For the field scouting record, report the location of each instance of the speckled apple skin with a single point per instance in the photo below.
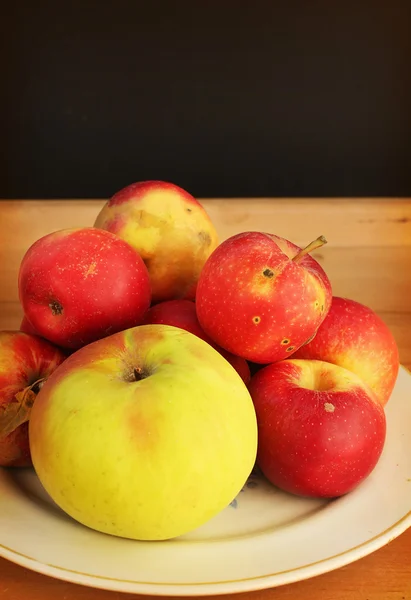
(255, 302)
(355, 337)
(321, 430)
(79, 285)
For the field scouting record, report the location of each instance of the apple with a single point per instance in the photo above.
(168, 228)
(261, 297)
(27, 327)
(182, 313)
(355, 337)
(25, 360)
(321, 430)
(254, 368)
(79, 285)
(145, 434)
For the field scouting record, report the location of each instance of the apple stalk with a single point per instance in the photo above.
(320, 241)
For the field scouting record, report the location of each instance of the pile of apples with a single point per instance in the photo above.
(156, 367)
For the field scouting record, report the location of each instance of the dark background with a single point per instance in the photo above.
(304, 98)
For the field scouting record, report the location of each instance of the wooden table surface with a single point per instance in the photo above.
(368, 258)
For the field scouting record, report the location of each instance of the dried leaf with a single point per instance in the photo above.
(15, 413)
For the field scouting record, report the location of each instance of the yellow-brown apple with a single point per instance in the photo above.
(169, 229)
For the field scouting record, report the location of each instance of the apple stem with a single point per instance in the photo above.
(139, 373)
(320, 241)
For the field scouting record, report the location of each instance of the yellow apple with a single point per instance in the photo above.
(169, 229)
(145, 434)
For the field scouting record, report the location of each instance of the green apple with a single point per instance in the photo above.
(145, 434)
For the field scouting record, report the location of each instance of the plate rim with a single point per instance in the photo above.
(258, 582)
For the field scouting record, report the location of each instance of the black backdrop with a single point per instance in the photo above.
(297, 98)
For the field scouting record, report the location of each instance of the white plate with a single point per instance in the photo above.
(266, 538)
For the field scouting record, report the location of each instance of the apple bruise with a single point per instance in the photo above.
(205, 238)
(173, 264)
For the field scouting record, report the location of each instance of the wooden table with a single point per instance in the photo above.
(368, 258)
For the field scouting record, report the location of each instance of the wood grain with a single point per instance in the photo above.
(352, 272)
(368, 258)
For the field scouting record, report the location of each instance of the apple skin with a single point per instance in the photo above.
(355, 337)
(79, 285)
(182, 313)
(168, 228)
(23, 360)
(27, 327)
(146, 459)
(255, 302)
(321, 430)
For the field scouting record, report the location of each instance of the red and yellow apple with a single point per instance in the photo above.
(25, 361)
(261, 297)
(145, 434)
(169, 229)
(321, 430)
(79, 285)
(355, 337)
(182, 313)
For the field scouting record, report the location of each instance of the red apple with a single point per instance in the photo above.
(168, 228)
(321, 430)
(27, 327)
(25, 361)
(355, 337)
(261, 297)
(182, 314)
(79, 285)
(254, 367)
